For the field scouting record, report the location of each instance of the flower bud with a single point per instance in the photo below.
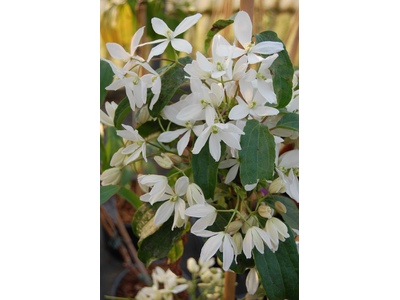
(181, 280)
(175, 158)
(204, 285)
(265, 211)
(238, 240)
(251, 221)
(280, 207)
(217, 289)
(144, 114)
(118, 158)
(192, 266)
(207, 276)
(213, 296)
(277, 186)
(163, 161)
(111, 176)
(234, 227)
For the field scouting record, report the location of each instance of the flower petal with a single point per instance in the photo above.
(248, 244)
(201, 141)
(186, 24)
(159, 26)
(229, 139)
(181, 185)
(210, 247)
(268, 47)
(227, 254)
(232, 174)
(215, 146)
(181, 45)
(239, 112)
(117, 52)
(169, 136)
(204, 63)
(164, 212)
(136, 39)
(243, 28)
(157, 50)
(190, 112)
(252, 281)
(199, 210)
(183, 142)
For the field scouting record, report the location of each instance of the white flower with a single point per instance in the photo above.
(138, 146)
(238, 239)
(232, 163)
(291, 184)
(228, 133)
(108, 119)
(118, 52)
(250, 187)
(276, 230)
(194, 195)
(205, 212)
(252, 281)
(111, 176)
(243, 28)
(164, 161)
(218, 240)
(118, 158)
(152, 81)
(192, 266)
(264, 79)
(161, 28)
(175, 203)
(255, 237)
(253, 104)
(158, 183)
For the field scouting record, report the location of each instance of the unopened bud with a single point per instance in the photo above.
(111, 176)
(217, 289)
(234, 227)
(265, 211)
(204, 285)
(213, 296)
(181, 280)
(163, 161)
(207, 276)
(251, 221)
(238, 240)
(280, 207)
(175, 158)
(277, 186)
(260, 194)
(144, 114)
(118, 158)
(192, 266)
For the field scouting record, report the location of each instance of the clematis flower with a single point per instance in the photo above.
(108, 119)
(111, 176)
(232, 163)
(243, 28)
(137, 146)
(152, 81)
(161, 28)
(291, 184)
(158, 185)
(252, 105)
(118, 52)
(228, 133)
(252, 281)
(218, 240)
(194, 195)
(255, 237)
(205, 212)
(175, 203)
(264, 79)
(276, 230)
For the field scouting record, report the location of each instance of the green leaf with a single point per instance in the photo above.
(152, 127)
(106, 77)
(123, 109)
(205, 170)
(103, 153)
(281, 68)
(289, 121)
(176, 252)
(292, 212)
(170, 82)
(217, 27)
(107, 191)
(219, 225)
(279, 271)
(142, 217)
(158, 244)
(257, 156)
(114, 142)
(130, 196)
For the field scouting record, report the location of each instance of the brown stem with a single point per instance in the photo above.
(248, 6)
(229, 285)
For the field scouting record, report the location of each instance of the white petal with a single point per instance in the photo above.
(183, 142)
(179, 288)
(210, 247)
(246, 88)
(163, 213)
(227, 254)
(248, 244)
(264, 111)
(169, 136)
(198, 129)
(204, 63)
(257, 240)
(157, 50)
(130, 149)
(281, 227)
(181, 45)
(203, 223)
(190, 112)
(159, 26)
(229, 139)
(136, 39)
(227, 163)
(201, 141)
(289, 159)
(215, 146)
(206, 233)
(239, 112)
(181, 185)
(264, 236)
(210, 115)
(232, 174)
(117, 51)
(267, 62)
(266, 91)
(200, 210)
(268, 47)
(253, 59)
(252, 281)
(134, 156)
(117, 84)
(272, 231)
(243, 28)
(186, 24)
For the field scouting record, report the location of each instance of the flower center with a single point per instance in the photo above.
(154, 78)
(214, 129)
(249, 47)
(219, 66)
(140, 143)
(252, 104)
(174, 198)
(135, 80)
(203, 102)
(189, 125)
(261, 76)
(296, 171)
(282, 169)
(169, 34)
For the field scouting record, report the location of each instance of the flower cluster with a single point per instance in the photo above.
(228, 90)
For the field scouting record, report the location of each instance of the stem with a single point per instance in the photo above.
(167, 59)
(159, 122)
(179, 172)
(263, 120)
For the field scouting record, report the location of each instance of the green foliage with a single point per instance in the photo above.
(279, 271)
(107, 191)
(130, 196)
(281, 68)
(106, 77)
(170, 82)
(114, 142)
(217, 27)
(289, 121)
(258, 153)
(121, 112)
(292, 212)
(205, 170)
(176, 252)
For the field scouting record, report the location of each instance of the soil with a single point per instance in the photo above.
(130, 285)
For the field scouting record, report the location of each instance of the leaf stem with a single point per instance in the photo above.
(167, 59)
